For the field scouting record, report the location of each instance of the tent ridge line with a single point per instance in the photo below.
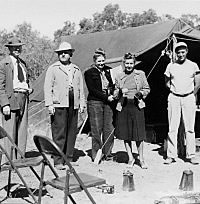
(119, 59)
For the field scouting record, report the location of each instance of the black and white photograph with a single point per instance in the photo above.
(99, 101)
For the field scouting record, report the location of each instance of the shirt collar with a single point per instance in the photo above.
(100, 70)
(14, 60)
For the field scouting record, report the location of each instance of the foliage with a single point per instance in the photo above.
(38, 51)
(113, 18)
(68, 29)
(86, 26)
(192, 19)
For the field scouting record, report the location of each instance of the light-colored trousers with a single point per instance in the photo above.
(187, 107)
(18, 132)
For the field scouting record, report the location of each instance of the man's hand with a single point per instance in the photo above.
(138, 95)
(51, 110)
(6, 110)
(81, 110)
(110, 98)
(124, 90)
(30, 91)
(116, 94)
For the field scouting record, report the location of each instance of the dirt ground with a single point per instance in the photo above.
(151, 184)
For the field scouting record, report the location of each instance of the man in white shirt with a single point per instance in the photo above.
(180, 79)
(14, 91)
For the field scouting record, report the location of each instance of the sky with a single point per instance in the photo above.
(47, 16)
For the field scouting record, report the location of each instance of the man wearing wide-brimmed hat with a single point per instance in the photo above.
(64, 96)
(14, 90)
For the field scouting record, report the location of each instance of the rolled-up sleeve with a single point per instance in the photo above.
(167, 71)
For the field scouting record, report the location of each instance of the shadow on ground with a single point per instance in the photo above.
(20, 191)
(77, 154)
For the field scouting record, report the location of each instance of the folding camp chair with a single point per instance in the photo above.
(14, 165)
(70, 183)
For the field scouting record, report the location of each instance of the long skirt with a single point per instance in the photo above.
(130, 122)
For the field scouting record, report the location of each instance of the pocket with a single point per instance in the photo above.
(56, 99)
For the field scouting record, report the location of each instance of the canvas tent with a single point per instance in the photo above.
(147, 43)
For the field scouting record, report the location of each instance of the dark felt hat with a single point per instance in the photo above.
(14, 42)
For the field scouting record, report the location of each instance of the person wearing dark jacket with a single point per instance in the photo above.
(14, 91)
(100, 104)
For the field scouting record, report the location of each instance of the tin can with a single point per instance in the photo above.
(186, 183)
(108, 189)
(128, 182)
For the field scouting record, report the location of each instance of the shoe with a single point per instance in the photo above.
(169, 160)
(109, 157)
(193, 160)
(143, 165)
(130, 163)
(74, 163)
(60, 167)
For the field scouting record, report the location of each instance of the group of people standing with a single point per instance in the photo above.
(64, 96)
(115, 107)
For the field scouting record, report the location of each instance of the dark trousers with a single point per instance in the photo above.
(15, 125)
(101, 122)
(64, 130)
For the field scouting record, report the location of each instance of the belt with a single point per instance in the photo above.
(182, 95)
(23, 92)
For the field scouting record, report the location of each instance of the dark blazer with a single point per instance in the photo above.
(94, 85)
(7, 96)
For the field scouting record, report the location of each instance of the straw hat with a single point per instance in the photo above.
(65, 46)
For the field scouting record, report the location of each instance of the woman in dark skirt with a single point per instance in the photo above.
(131, 87)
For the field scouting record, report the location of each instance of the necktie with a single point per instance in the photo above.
(20, 72)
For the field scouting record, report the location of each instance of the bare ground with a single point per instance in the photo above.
(157, 181)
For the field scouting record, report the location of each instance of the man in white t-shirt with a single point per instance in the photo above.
(180, 79)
